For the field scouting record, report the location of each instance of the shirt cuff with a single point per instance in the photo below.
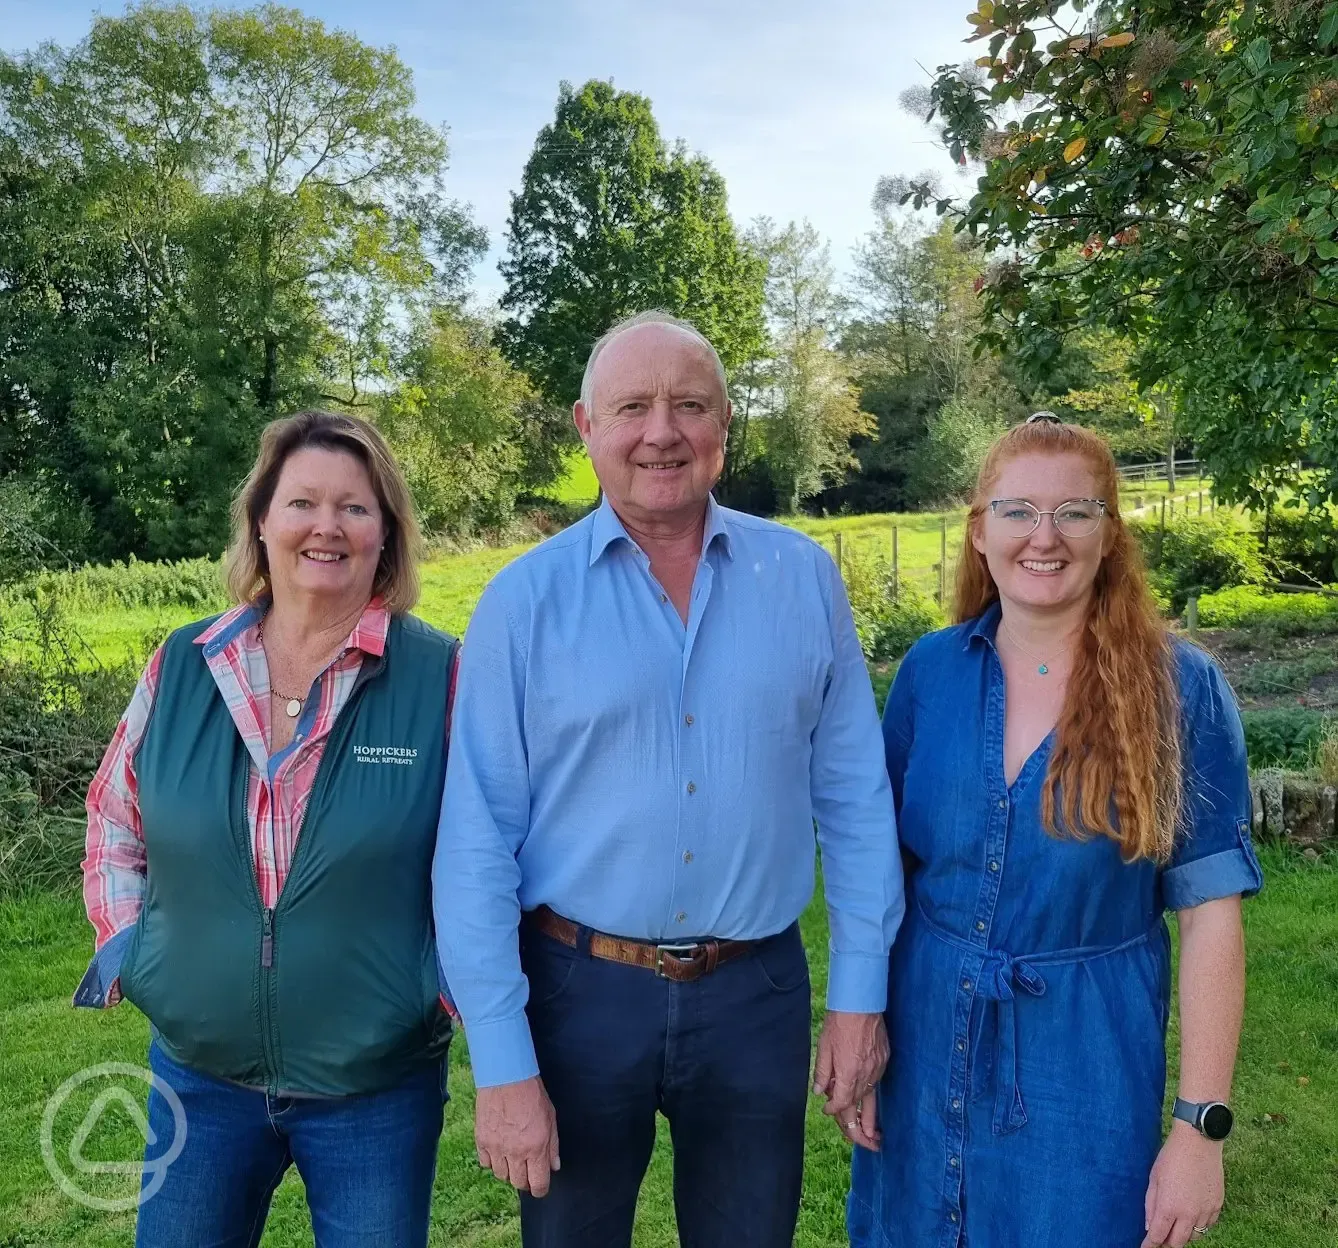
(1208, 879)
(501, 1052)
(857, 983)
(100, 987)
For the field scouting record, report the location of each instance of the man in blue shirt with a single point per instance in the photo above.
(654, 707)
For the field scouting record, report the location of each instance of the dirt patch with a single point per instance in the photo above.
(1268, 671)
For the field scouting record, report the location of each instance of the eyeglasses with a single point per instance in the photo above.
(1079, 517)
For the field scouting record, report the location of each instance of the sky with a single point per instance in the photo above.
(793, 101)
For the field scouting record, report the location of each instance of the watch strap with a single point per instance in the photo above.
(1187, 1111)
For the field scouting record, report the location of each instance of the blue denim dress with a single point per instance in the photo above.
(1029, 986)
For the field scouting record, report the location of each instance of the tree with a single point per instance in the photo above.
(608, 222)
(206, 219)
(943, 467)
(809, 408)
(1173, 180)
(458, 423)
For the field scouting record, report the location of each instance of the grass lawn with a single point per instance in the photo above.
(1282, 1163)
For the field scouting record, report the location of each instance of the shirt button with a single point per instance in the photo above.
(956, 1102)
(687, 719)
(687, 855)
(980, 925)
(664, 597)
(952, 1217)
(1003, 803)
(952, 1161)
(994, 866)
(966, 985)
(961, 1046)
(680, 917)
(692, 788)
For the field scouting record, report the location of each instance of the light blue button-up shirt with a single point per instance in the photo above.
(657, 780)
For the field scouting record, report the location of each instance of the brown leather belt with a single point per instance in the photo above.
(682, 963)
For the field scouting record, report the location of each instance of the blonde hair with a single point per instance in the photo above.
(246, 566)
(1117, 742)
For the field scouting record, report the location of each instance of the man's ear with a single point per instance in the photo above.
(581, 419)
(729, 414)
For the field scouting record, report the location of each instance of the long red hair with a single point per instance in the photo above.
(1115, 767)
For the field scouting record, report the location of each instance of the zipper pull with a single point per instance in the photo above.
(267, 940)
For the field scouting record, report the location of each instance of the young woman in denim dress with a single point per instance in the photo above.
(1065, 772)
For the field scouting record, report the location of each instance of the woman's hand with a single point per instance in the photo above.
(1186, 1189)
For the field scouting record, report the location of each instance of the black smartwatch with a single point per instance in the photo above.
(1211, 1119)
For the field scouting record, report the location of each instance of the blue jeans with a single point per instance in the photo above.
(367, 1161)
(725, 1059)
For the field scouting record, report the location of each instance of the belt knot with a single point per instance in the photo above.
(1001, 974)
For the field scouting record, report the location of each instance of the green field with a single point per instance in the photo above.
(1282, 1187)
(452, 583)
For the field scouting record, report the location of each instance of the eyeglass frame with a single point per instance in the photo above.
(1100, 502)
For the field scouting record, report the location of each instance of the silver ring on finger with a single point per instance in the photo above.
(1200, 1230)
(850, 1126)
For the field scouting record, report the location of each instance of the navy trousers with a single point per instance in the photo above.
(725, 1059)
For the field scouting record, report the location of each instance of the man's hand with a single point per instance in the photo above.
(1186, 1188)
(852, 1055)
(515, 1133)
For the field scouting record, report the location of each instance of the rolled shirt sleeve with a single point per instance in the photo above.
(484, 822)
(852, 802)
(1214, 856)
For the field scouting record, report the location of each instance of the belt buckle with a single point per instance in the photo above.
(674, 951)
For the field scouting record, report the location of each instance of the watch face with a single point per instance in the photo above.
(1217, 1120)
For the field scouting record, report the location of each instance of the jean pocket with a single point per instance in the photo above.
(548, 965)
(782, 963)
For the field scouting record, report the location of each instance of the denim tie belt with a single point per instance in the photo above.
(1001, 976)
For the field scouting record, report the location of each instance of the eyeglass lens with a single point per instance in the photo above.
(1019, 518)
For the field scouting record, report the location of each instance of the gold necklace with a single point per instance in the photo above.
(292, 705)
(1043, 668)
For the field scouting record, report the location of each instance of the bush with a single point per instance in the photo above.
(1200, 553)
(1283, 737)
(1245, 606)
(196, 583)
(1302, 544)
(943, 467)
(889, 617)
(55, 723)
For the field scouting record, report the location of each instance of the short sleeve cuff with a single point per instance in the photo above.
(1208, 879)
(857, 983)
(100, 986)
(501, 1051)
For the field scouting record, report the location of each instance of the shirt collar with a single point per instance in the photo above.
(368, 635)
(607, 529)
(986, 625)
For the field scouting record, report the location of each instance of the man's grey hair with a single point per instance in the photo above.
(653, 317)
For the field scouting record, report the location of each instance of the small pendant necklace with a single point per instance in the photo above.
(292, 706)
(1042, 667)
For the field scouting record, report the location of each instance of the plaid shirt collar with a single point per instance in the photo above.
(368, 635)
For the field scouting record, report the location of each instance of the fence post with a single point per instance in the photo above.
(1192, 614)
(942, 560)
(840, 554)
(1161, 531)
(1212, 502)
(896, 564)
(1200, 502)
(1173, 508)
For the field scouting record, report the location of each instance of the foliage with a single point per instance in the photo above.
(1245, 606)
(1198, 554)
(1282, 737)
(207, 218)
(889, 616)
(56, 717)
(194, 583)
(943, 467)
(466, 426)
(1167, 172)
(610, 221)
(1300, 543)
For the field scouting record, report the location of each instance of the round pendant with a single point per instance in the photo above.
(1044, 671)
(294, 708)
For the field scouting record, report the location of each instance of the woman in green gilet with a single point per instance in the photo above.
(260, 843)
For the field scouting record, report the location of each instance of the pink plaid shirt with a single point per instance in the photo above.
(115, 863)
